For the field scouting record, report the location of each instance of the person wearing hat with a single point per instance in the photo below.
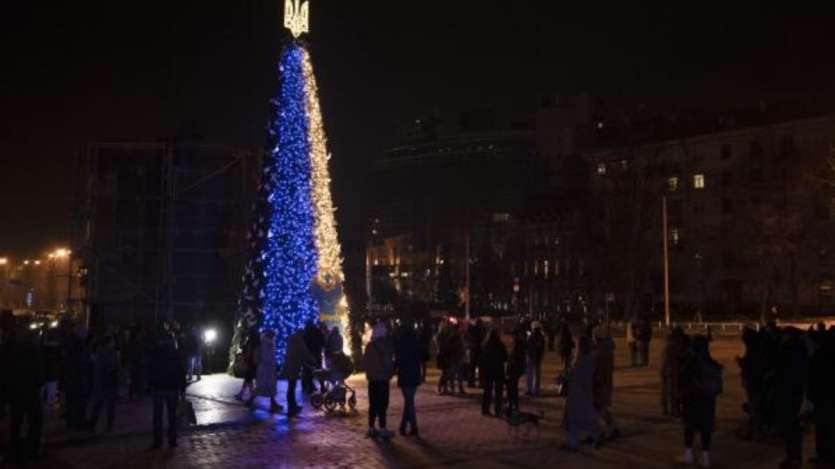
(379, 367)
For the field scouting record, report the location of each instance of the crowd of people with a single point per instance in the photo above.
(67, 372)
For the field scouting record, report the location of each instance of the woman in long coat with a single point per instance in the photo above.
(265, 379)
(580, 415)
(604, 359)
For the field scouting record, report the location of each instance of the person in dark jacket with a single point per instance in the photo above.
(250, 352)
(425, 347)
(698, 398)
(493, 358)
(315, 341)
(407, 363)
(379, 366)
(644, 338)
(105, 382)
(166, 379)
(792, 368)
(516, 368)
(536, 351)
(77, 379)
(670, 364)
(566, 344)
(822, 394)
(25, 363)
(475, 337)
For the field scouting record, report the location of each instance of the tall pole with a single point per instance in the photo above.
(666, 262)
(467, 282)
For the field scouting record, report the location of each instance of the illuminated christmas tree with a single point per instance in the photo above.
(295, 275)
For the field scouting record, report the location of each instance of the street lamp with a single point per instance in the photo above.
(4, 261)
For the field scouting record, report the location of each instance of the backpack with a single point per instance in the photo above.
(712, 383)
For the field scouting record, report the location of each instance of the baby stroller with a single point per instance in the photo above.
(335, 392)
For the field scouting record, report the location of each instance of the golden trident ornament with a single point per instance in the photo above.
(297, 17)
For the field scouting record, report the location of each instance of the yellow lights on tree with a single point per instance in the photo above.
(327, 242)
(297, 17)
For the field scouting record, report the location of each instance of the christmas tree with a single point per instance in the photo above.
(295, 272)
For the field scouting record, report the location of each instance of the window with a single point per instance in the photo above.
(556, 240)
(545, 269)
(624, 165)
(601, 169)
(672, 184)
(675, 236)
(698, 181)
(501, 217)
(556, 268)
(727, 151)
(536, 268)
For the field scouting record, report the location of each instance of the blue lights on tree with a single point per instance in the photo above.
(289, 255)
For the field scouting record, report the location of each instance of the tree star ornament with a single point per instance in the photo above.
(297, 17)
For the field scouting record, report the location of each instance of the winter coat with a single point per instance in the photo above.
(334, 344)
(408, 359)
(265, 377)
(379, 360)
(604, 370)
(166, 372)
(822, 376)
(792, 369)
(579, 405)
(698, 408)
(493, 358)
(516, 362)
(297, 356)
(315, 341)
(105, 373)
(671, 359)
(536, 346)
(456, 355)
(78, 373)
(24, 373)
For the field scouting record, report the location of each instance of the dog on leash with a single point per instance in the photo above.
(526, 421)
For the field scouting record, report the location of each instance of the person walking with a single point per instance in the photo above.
(536, 350)
(407, 363)
(194, 352)
(700, 382)
(580, 414)
(265, 380)
(333, 346)
(493, 358)
(24, 378)
(166, 379)
(674, 348)
(105, 382)
(379, 366)
(296, 359)
(443, 342)
(250, 352)
(516, 368)
(604, 371)
(792, 368)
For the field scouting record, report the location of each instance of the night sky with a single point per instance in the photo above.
(80, 71)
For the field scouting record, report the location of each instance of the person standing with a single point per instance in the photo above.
(793, 363)
(822, 395)
(105, 382)
(77, 379)
(475, 337)
(297, 358)
(566, 344)
(493, 358)
(700, 382)
(536, 350)
(408, 359)
(516, 368)
(315, 342)
(580, 415)
(379, 365)
(670, 365)
(604, 371)
(425, 346)
(25, 377)
(333, 346)
(632, 342)
(644, 338)
(265, 380)
(166, 379)
(194, 349)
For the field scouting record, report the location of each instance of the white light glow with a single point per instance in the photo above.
(209, 336)
(297, 17)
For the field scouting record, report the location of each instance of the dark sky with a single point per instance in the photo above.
(79, 71)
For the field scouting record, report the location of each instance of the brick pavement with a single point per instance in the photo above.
(454, 434)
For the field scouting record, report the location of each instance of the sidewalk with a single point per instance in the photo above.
(454, 434)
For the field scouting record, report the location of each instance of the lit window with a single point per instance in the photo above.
(556, 268)
(624, 165)
(601, 169)
(536, 268)
(545, 268)
(675, 236)
(672, 184)
(698, 181)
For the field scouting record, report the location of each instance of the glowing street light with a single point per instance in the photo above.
(4, 261)
(61, 253)
(209, 336)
